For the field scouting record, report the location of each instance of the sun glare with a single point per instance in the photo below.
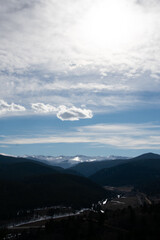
(111, 25)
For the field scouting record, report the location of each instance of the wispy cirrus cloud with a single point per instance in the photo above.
(119, 136)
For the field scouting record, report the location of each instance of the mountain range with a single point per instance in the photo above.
(141, 170)
(69, 161)
(29, 183)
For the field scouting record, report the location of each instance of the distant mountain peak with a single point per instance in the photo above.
(148, 155)
(7, 155)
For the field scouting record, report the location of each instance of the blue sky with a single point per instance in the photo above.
(79, 77)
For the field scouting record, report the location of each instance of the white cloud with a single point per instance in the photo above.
(73, 113)
(5, 107)
(43, 108)
(63, 112)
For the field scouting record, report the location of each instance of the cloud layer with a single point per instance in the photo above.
(80, 52)
(119, 136)
(67, 34)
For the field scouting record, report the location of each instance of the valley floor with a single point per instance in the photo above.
(130, 215)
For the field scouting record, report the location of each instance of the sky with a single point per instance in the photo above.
(79, 77)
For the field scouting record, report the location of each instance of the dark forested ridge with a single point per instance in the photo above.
(89, 168)
(12, 168)
(140, 170)
(48, 190)
(26, 184)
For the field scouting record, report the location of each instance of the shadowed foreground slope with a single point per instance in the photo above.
(28, 184)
